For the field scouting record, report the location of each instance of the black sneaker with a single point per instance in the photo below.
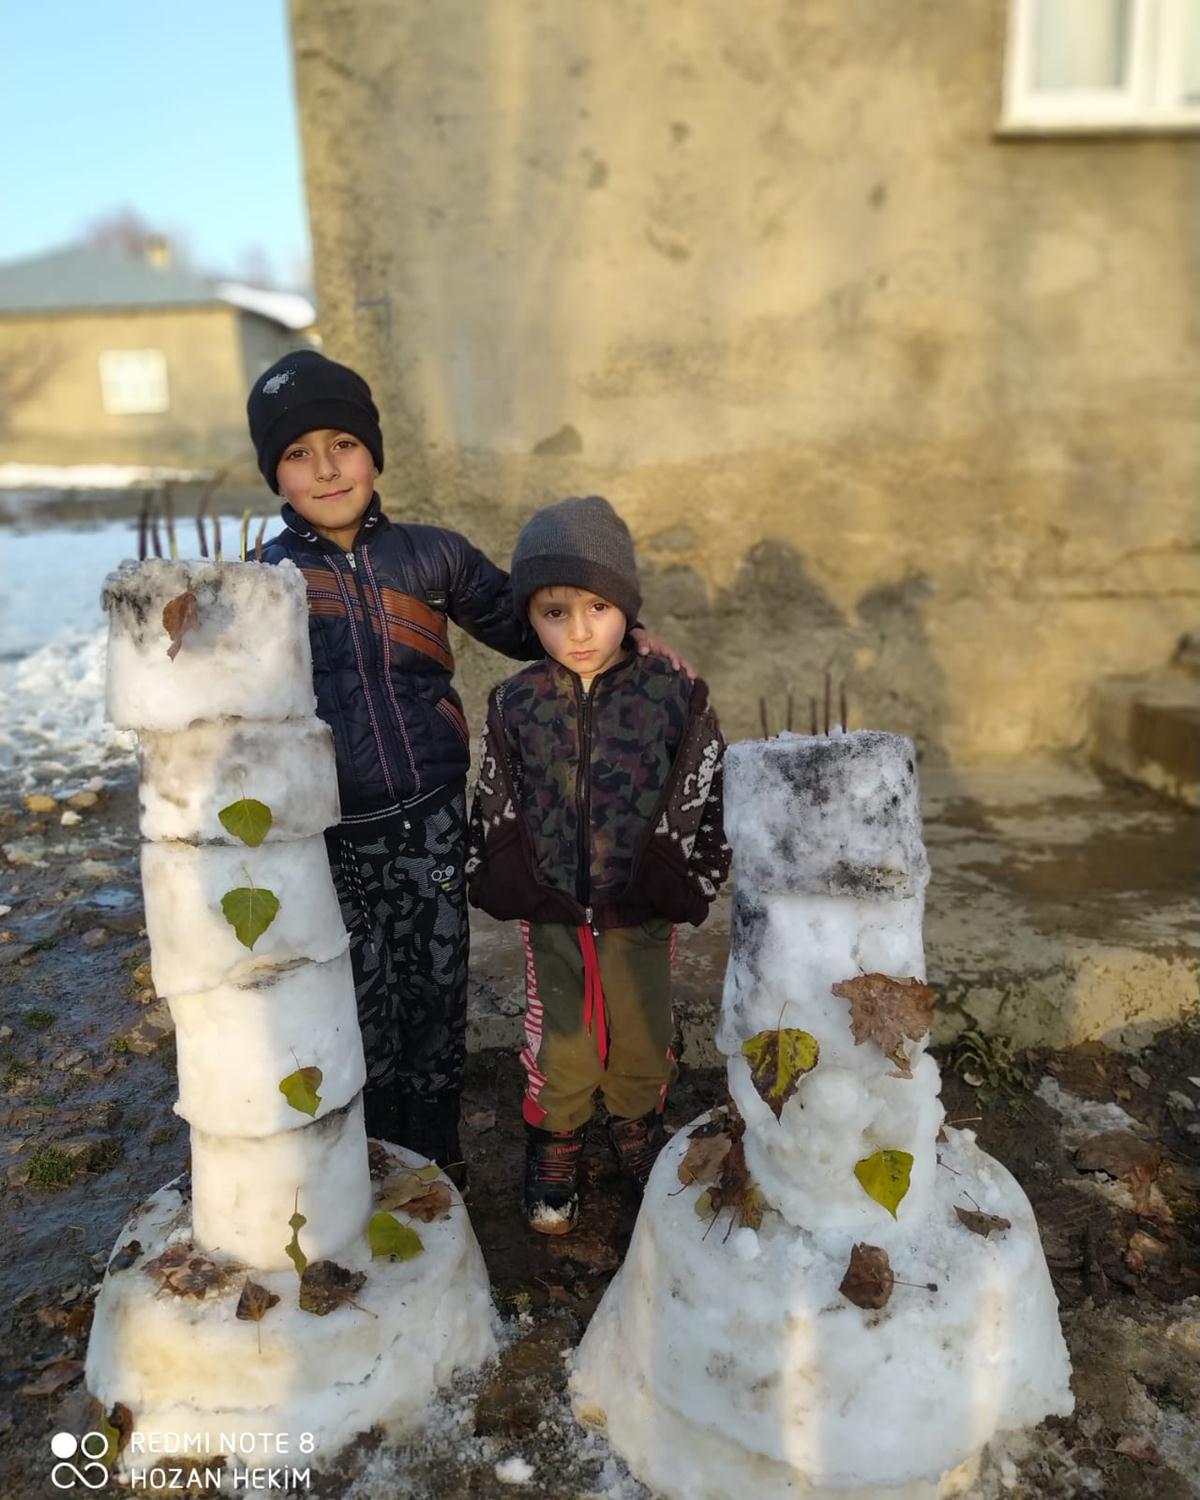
(637, 1144)
(552, 1178)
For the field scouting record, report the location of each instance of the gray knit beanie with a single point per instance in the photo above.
(580, 543)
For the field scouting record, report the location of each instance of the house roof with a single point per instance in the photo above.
(80, 278)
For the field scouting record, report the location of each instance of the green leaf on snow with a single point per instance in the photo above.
(388, 1237)
(247, 819)
(250, 910)
(300, 1089)
(885, 1176)
(294, 1253)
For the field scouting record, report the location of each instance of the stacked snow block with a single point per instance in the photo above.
(210, 663)
(744, 1350)
(229, 721)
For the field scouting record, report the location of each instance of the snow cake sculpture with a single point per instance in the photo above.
(306, 1285)
(827, 1293)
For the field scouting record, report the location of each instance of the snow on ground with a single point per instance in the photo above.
(54, 477)
(53, 640)
(52, 654)
(1084, 1117)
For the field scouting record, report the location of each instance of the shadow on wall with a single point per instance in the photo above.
(775, 631)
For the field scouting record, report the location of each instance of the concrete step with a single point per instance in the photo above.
(1062, 908)
(1148, 729)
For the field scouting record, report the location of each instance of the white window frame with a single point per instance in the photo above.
(126, 390)
(1148, 100)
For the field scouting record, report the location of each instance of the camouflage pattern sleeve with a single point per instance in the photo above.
(490, 804)
(708, 864)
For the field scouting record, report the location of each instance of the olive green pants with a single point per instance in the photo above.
(578, 1040)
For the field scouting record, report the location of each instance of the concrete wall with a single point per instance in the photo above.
(875, 389)
(55, 413)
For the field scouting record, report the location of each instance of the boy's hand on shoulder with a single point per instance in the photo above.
(648, 645)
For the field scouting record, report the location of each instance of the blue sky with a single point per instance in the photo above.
(180, 109)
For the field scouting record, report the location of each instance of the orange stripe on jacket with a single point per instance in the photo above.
(407, 618)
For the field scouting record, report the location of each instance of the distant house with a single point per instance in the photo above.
(112, 360)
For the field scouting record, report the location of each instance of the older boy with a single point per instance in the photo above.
(380, 597)
(597, 822)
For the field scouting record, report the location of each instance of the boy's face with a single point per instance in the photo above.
(580, 630)
(329, 477)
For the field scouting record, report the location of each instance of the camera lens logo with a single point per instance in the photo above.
(89, 1471)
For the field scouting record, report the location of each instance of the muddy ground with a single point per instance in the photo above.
(86, 1088)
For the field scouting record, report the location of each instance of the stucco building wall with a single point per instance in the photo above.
(876, 390)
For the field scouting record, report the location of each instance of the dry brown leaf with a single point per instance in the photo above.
(716, 1124)
(196, 1278)
(1147, 1200)
(325, 1286)
(734, 1187)
(125, 1256)
(79, 1319)
(185, 1273)
(1116, 1152)
(380, 1161)
(868, 1281)
(433, 1203)
(1143, 1250)
(120, 1422)
(1139, 1448)
(402, 1188)
(52, 1378)
(750, 1209)
(180, 615)
(886, 1011)
(254, 1302)
(703, 1158)
(980, 1223)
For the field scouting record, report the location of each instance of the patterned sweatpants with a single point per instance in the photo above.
(403, 899)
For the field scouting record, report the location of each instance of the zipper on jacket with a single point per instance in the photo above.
(583, 799)
(397, 717)
(370, 649)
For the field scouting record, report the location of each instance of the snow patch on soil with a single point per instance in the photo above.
(1084, 1117)
(52, 713)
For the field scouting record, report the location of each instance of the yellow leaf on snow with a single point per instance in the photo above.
(300, 1089)
(885, 1176)
(778, 1061)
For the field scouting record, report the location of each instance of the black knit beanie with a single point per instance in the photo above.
(305, 392)
(580, 543)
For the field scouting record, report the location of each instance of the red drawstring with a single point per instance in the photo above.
(593, 991)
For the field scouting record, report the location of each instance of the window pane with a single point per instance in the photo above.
(134, 381)
(1081, 44)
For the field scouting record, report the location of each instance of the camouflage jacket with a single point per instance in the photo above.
(605, 806)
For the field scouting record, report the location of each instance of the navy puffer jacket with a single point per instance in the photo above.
(381, 652)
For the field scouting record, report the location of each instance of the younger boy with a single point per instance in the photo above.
(597, 821)
(380, 598)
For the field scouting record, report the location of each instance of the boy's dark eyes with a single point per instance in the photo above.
(295, 453)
